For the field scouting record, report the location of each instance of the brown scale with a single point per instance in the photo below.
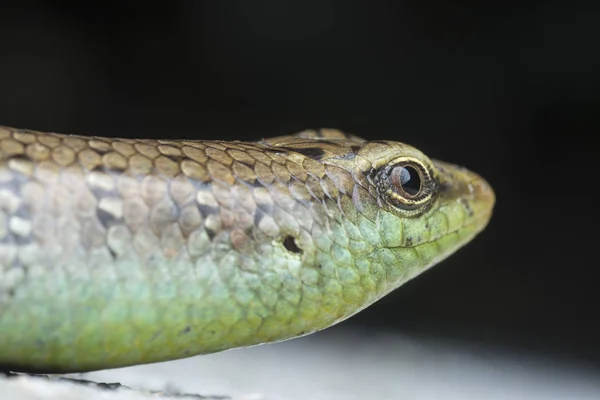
(160, 184)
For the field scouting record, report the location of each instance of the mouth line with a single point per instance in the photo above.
(473, 221)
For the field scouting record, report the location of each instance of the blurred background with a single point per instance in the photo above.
(509, 89)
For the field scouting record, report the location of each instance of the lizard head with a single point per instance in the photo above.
(407, 211)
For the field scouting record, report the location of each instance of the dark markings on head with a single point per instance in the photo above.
(442, 187)
(315, 153)
(465, 203)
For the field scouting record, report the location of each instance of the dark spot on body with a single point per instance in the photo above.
(290, 244)
(112, 253)
(246, 163)
(185, 330)
(102, 151)
(255, 183)
(265, 209)
(207, 210)
(175, 158)
(355, 149)
(106, 219)
(258, 216)
(409, 241)
(210, 233)
(21, 157)
(22, 240)
(100, 193)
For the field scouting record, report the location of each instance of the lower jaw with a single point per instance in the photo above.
(435, 251)
(475, 226)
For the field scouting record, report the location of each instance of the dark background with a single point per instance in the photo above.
(509, 89)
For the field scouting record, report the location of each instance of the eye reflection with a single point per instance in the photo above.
(407, 180)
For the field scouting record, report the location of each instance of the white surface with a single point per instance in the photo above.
(335, 365)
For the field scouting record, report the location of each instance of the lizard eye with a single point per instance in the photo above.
(407, 183)
(406, 179)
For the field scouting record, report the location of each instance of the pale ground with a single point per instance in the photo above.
(337, 364)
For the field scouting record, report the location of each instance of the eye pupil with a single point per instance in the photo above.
(407, 178)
